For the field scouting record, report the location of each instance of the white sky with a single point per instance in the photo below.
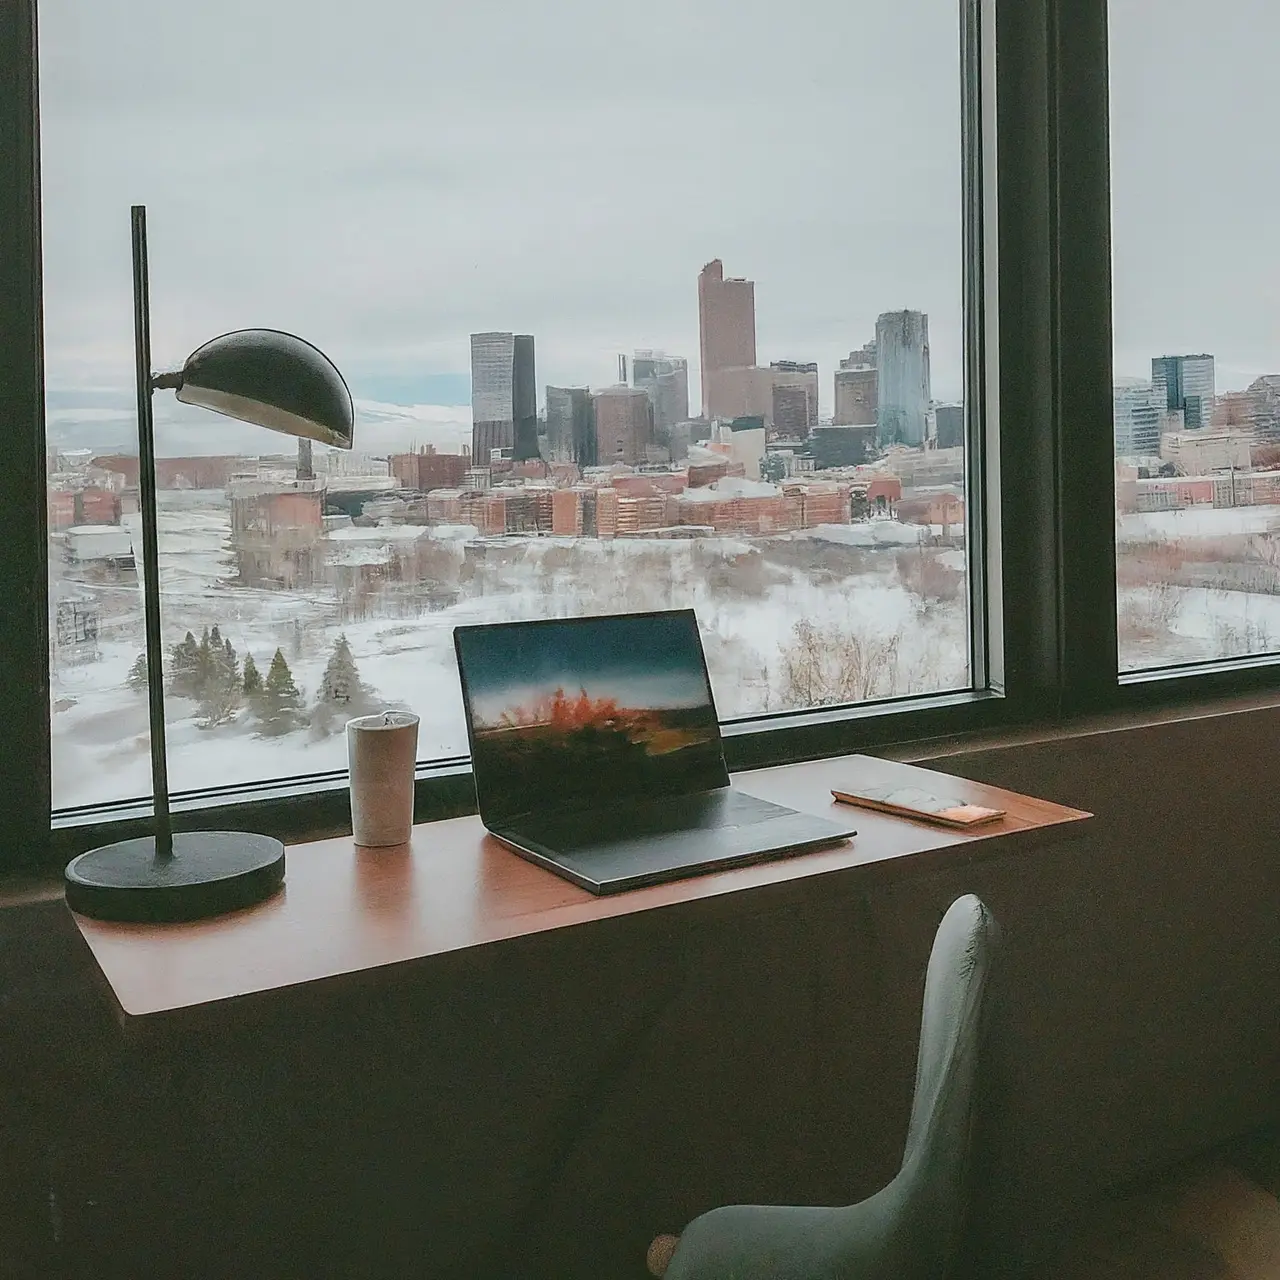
(386, 178)
(1195, 101)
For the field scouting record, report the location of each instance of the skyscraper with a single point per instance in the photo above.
(504, 396)
(1136, 415)
(666, 381)
(795, 398)
(726, 333)
(855, 388)
(624, 425)
(571, 426)
(902, 380)
(1186, 383)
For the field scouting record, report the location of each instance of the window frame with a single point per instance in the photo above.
(1040, 493)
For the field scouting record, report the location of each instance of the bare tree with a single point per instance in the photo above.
(834, 664)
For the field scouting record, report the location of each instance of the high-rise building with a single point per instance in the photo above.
(666, 381)
(902, 381)
(795, 398)
(571, 426)
(1186, 383)
(790, 413)
(746, 391)
(726, 333)
(504, 396)
(855, 388)
(1137, 416)
(1265, 416)
(624, 425)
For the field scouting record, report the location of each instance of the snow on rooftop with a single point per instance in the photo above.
(732, 487)
(380, 533)
(869, 533)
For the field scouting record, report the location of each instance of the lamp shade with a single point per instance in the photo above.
(273, 379)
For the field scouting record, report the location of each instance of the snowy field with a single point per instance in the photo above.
(1164, 623)
(874, 606)
(833, 614)
(1195, 522)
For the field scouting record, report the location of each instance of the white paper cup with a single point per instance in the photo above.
(382, 751)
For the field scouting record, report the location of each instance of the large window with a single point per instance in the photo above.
(1194, 100)
(641, 306)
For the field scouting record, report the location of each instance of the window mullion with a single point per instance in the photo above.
(24, 668)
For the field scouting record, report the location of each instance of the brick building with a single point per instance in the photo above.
(624, 425)
(213, 472)
(427, 469)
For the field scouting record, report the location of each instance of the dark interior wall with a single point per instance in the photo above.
(546, 1107)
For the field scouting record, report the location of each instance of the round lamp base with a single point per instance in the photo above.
(210, 872)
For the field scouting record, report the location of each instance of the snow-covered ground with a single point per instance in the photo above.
(1195, 522)
(747, 603)
(1164, 623)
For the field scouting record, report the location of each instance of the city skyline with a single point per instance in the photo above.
(388, 261)
(396, 210)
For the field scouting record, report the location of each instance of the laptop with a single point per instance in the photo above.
(596, 753)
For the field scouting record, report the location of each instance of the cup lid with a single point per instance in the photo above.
(384, 720)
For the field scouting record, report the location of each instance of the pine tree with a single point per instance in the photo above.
(251, 683)
(279, 709)
(204, 667)
(342, 695)
(184, 667)
(341, 681)
(220, 691)
(137, 677)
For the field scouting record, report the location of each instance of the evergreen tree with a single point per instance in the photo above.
(203, 669)
(220, 691)
(341, 681)
(251, 683)
(279, 709)
(137, 677)
(184, 667)
(342, 695)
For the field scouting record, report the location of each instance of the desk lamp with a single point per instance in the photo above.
(280, 382)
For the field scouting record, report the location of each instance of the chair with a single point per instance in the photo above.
(911, 1229)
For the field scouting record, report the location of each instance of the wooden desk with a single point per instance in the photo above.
(346, 911)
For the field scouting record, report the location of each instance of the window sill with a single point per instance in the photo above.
(922, 730)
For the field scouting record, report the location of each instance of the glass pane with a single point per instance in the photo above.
(640, 308)
(1197, 333)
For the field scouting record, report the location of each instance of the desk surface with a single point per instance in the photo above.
(345, 910)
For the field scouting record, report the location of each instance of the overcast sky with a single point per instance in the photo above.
(1195, 110)
(385, 178)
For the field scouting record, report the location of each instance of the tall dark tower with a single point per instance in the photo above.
(504, 396)
(524, 399)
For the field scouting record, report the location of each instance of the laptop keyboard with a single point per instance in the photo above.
(706, 810)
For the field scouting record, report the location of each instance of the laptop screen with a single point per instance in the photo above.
(584, 712)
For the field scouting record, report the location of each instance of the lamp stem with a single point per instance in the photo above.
(150, 536)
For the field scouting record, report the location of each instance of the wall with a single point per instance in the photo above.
(545, 1109)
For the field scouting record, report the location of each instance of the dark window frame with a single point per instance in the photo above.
(1040, 473)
